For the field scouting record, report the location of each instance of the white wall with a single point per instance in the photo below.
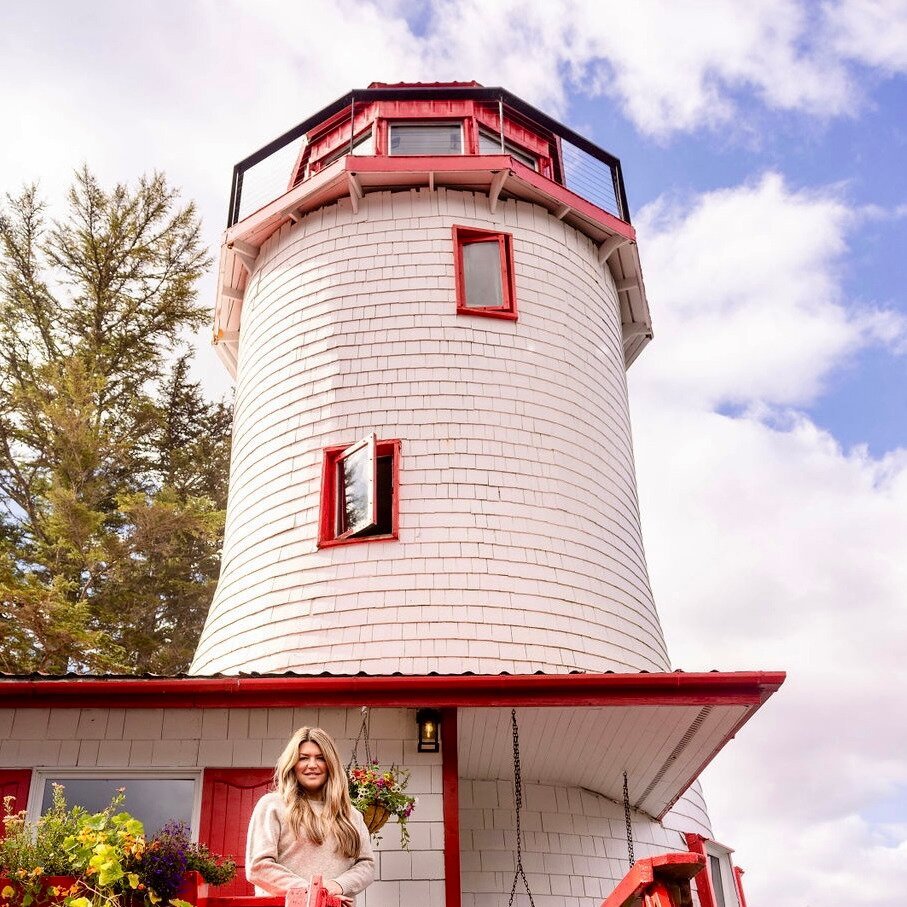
(574, 848)
(520, 546)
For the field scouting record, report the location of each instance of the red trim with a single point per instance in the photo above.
(467, 690)
(645, 881)
(326, 521)
(15, 783)
(450, 783)
(463, 236)
(228, 797)
(704, 885)
(492, 162)
(738, 884)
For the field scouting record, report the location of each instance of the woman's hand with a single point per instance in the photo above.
(333, 887)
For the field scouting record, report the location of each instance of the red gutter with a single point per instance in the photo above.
(495, 690)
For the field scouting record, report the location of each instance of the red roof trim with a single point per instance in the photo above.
(498, 690)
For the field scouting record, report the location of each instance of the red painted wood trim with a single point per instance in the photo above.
(738, 884)
(223, 825)
(704, 887)
(644, 878)
(330, 455)
(15, 783)
(464, 235)
(482, 690)
(450, 785)
(493, 162)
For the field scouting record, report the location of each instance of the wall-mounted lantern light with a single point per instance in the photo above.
(429, 721)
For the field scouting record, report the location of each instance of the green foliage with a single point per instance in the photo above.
(107, 854)
(24, 849)
(213, 868)
(113, 465)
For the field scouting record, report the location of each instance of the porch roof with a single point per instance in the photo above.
(582, 730)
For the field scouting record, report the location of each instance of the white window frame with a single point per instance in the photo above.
(370, 443)
(726, 867)
(41, 775)
(392, 125)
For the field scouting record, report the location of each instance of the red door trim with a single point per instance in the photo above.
(15, 782)
(450, 785)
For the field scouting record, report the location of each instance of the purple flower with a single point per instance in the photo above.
(165, 859)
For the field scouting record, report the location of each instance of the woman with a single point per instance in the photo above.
(308, 826)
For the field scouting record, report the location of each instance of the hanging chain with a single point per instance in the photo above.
(519, 873)
(364, 731)
(627, 820)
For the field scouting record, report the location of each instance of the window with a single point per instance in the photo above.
(153, 799)
(717, 884)
(359, 492)
(425, 138)
(489, 143)
(363, 144)
(483, 272)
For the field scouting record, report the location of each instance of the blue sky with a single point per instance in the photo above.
(763, 147)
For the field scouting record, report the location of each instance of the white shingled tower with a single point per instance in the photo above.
(516, 544)
(429, 296)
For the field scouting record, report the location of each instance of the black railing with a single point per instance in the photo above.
(588, 170)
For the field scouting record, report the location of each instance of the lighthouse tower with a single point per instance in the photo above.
(429, 296)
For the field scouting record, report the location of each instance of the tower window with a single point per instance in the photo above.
(491, 144)
(483, 271)
(359, 492)
(425, 138)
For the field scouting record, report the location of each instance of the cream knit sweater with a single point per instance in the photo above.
(276, 860)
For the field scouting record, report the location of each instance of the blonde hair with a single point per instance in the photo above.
(335, 817)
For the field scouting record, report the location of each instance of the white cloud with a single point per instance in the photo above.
(746, 294)
(769, 546)
(871, 32)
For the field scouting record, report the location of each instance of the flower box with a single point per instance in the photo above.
(52, 889)
(193, 888)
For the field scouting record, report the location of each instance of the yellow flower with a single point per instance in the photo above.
(8, 892)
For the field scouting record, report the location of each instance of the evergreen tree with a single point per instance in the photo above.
(112, 464)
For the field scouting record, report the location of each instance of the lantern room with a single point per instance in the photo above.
(450, 135)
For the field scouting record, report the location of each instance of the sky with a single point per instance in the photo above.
(763, 145)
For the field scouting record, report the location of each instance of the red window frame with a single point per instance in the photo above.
(327, 523)
(464, 236)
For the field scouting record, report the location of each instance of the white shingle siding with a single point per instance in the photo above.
(520, 545)
(574, 844)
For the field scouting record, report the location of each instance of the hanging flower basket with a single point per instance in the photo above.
(379, 794)
(376, 817)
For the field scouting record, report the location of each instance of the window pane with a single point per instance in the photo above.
(356, 471)
(365, 144)
(154, 801)
(445, 138)
(491, 144)
(482, 275)
(717, 883)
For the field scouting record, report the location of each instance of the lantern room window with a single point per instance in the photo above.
(425, 138)
(491, 144)
(363, 144)
(359, 492)
(483, 271)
